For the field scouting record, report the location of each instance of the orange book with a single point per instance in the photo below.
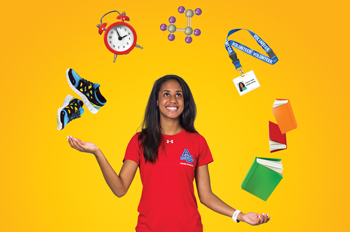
(283, 112)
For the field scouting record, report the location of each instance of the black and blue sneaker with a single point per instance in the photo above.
(88, 91)
(72, 108)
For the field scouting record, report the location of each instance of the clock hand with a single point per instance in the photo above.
(119, 38)
(124, 36)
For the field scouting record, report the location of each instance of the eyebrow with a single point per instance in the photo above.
(175, 91)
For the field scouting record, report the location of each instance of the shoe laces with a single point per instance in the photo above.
(87, 83)
(86, 86)
(73, 111)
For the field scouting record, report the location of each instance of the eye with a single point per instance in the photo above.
(178, 95)
(166, 94)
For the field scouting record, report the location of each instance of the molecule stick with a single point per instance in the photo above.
(188, 30)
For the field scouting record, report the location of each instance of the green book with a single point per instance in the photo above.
(263, 177)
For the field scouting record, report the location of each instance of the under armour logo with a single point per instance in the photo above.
(171, 141)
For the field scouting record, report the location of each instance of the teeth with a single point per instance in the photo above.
(172, 108)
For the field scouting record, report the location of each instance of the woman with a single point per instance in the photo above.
(170, 154)
(242, 86)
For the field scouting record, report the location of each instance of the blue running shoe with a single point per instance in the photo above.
(72, 108)
(88, 91)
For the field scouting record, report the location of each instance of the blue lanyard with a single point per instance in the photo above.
(272, 59)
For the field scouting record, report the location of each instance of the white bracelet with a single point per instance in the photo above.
(235, 214)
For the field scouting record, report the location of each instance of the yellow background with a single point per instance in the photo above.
(48, 186)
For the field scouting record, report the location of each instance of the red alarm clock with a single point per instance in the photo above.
(120, 37)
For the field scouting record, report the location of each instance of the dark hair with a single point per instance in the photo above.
(150, 136)
(241, 89)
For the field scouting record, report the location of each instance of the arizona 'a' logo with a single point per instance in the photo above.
(186, 156)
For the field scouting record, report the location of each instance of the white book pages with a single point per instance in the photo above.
(276, 145)
(275, 169)
(280, 147)
(276, 164)
(273, 165)
(279, 103)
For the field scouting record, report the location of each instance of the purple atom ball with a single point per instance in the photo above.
(163, 27)
(188, 39)
(198, 11)
(197, 32)
(181, 9)
(171, 37)
(172, 19)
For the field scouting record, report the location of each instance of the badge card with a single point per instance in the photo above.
(246, 83)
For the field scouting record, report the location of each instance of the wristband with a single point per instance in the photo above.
(235, 214)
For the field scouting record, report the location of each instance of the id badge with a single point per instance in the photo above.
(246, 83)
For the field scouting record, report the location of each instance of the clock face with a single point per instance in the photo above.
(120, 38)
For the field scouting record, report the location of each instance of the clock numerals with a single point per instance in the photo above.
(120, 38)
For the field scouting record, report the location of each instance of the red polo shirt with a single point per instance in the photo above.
(168, 203)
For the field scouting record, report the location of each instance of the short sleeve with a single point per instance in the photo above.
(133, 150)
(205, 156)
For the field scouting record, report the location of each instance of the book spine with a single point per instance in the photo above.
(249, 174)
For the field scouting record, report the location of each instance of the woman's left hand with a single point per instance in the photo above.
(255, 219)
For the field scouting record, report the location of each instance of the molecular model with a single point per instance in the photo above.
(188, 30)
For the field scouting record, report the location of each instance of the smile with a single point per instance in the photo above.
(172, 108)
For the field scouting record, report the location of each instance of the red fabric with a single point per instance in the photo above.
(168, 202)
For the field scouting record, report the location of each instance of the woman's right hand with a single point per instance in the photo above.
(82, 146)
(254, 219)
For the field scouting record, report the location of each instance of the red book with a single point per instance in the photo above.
(278, 141)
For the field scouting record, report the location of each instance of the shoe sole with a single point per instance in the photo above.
(65, 104)
(86, 101)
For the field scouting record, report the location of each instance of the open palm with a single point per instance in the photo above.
(82, 146)
(255, 218)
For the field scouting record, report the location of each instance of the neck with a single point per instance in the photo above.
(170, 126)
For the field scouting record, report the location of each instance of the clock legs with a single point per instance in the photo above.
(115, 55)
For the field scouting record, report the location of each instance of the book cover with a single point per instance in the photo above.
(260, 180)
(277, 140)
(284, 116)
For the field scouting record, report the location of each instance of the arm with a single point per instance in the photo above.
(210, 200)
(118, 184)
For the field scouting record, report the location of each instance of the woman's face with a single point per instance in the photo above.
(241, 85)
(170, 100)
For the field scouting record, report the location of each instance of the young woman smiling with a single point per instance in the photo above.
(170, 154)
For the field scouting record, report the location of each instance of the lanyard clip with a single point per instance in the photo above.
(241, 72)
